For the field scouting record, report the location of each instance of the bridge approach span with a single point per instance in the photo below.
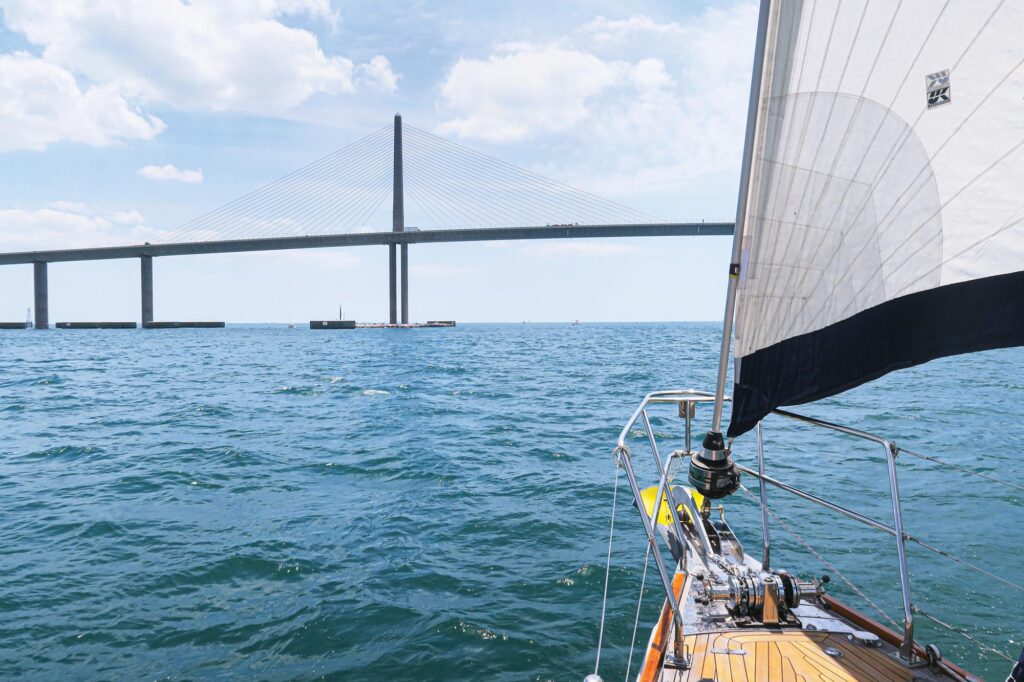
(370, 238)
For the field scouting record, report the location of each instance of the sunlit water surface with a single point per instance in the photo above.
(272, 503)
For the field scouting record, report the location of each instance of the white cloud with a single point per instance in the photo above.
(169, 172)
(69, 225)
(320, 9)
(101, 60)
(72, 206)
(200, 55)
(524, 90)
(132, 217)
(557, 249)
(631, 105)
(378, 74)
(604, 29)
(42, 103)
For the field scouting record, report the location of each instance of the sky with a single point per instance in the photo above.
(120, 121)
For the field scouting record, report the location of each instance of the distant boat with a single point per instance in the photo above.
(575, 322)
(291, 326)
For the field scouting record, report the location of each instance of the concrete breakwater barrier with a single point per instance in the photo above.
(409, 325)
(124, 325)
(352, 324)
(332, 324)
(97, 325)
(183, 325)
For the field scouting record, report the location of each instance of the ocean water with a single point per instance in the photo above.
(268, 503)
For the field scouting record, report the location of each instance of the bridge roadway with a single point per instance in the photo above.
(409, 236)
(146, 252)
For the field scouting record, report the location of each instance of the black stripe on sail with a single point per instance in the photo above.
(971, 316)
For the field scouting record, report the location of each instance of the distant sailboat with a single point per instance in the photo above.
(879, 225)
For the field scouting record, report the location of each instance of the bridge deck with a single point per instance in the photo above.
(371, 238)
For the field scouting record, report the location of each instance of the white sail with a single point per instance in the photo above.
(885, 215)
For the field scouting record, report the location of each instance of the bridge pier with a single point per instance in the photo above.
(42, 297)
(146, 268)
(392, 280)
(405, 284)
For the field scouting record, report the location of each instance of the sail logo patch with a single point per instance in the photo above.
(937, 88)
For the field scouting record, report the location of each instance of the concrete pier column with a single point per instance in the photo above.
(146, 267)
(392, 279)
(398, 225)
(42, 296)
(405, 284)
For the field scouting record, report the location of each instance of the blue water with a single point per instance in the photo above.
(272, 503)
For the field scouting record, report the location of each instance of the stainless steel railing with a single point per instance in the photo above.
(896, 530)
(687, 400)
(623, 457)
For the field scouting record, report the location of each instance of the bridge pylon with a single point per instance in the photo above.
(398, 225)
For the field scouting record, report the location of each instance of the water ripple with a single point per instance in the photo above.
(299, 505)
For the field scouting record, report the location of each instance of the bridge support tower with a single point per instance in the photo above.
(405, 282)
(146, 269)
(398, 225)
(42, 296)
(393, 282)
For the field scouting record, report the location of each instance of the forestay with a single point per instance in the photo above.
(885, 220)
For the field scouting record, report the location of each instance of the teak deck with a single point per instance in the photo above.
(781, 654)
(784, 656)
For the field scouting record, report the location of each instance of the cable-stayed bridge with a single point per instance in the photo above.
(449, 192)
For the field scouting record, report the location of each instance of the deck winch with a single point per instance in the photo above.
(763, 597)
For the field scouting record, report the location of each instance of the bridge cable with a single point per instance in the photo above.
(526, 192)
(528, 178)
(261, 196)
(289, 204)
(447, 184)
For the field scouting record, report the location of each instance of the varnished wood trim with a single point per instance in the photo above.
(885, 633)
(656, 651)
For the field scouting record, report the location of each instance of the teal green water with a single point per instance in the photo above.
(266, 503)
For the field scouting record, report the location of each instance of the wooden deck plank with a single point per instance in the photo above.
(761, 660)
(709, 660)
(829, 668)
(784, 656)
(731, 662)
(750, 661)
(882, 667)
(814, 659)
(789, 673)
(815, 665)
(774, 661)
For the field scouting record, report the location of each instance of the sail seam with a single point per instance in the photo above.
(912, 132)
